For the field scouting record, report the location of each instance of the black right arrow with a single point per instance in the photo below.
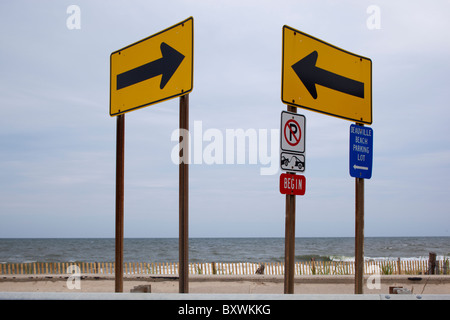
(165, 66)
(310, 76)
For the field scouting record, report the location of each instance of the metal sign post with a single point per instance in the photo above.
(359, 235)
(184, 198)
(360, 167)
(120, 160)
(289, 251)
(152, 70)
(292, 158)
(324, 78)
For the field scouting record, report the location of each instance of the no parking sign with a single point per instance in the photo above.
(292, 132)
(292, 155)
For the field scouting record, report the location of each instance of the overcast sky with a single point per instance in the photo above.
(57, 140)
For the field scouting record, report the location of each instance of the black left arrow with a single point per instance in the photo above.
(310, 76)
(165, 66)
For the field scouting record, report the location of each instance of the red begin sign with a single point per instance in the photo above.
(292, 184)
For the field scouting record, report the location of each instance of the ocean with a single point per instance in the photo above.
(219, 249)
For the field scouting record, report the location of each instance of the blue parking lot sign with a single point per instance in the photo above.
(361, 151)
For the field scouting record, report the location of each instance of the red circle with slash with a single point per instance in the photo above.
(293, 134)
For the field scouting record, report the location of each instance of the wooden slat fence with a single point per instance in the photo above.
(412, 267)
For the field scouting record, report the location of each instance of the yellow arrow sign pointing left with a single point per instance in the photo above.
(324, 78)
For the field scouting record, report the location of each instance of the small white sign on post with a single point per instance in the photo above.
(292, 145)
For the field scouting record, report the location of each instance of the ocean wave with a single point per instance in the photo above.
(339, 258)
(421, 258)
(316, 257)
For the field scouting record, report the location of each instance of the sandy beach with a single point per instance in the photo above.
(217, 296)
(257, 284)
